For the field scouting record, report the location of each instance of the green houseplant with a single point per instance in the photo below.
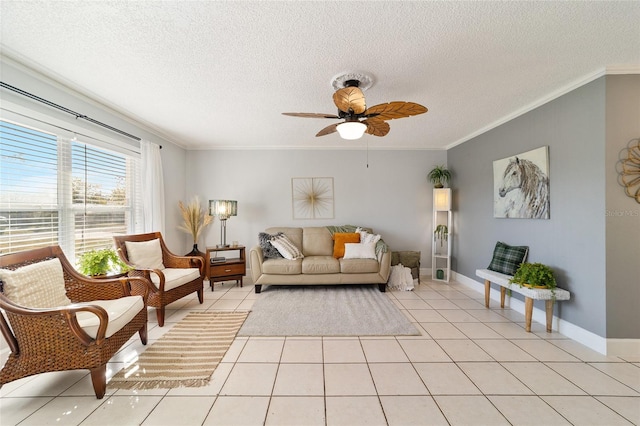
(439, 176)
(441, 233)
(536, 275)
(101, 263)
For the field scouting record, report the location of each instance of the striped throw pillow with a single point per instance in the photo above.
(285, 247)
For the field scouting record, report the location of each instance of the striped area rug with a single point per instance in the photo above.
(186, 355)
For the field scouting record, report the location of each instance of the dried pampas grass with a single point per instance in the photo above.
(195, 220)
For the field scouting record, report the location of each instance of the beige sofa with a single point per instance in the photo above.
(318, 267)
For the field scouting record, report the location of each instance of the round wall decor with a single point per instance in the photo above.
(629, 170)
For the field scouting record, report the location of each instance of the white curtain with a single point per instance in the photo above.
(152, 187)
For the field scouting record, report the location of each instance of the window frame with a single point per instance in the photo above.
(66, 209)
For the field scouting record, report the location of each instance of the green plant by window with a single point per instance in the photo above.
(534, 274)
(439, 176)
(101, 262)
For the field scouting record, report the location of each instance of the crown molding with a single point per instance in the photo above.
(586, 79)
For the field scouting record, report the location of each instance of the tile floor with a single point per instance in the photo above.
(471, 366)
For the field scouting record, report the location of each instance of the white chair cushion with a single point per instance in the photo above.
(175, 277)
(39, 285)
(145, 254)
(120, 311)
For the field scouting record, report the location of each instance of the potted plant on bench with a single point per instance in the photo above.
(534, 275)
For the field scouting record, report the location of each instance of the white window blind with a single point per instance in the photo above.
(60, 191)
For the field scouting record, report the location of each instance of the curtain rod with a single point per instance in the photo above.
(67, 110)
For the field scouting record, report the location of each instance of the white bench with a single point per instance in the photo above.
(530, 294)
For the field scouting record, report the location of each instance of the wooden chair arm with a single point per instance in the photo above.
(67, 313)
(146, 274)
(172, 261)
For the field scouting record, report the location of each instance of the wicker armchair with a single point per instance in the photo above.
(67, 337)
(173, 277)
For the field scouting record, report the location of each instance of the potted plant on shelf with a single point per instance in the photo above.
(194, 222)
(534, 275)
(101, 263)
(439, 176)
(441, 233)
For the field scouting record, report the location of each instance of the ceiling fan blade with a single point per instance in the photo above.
(396, 109)
(310, 115)
(350, 98)
(329, 129)
(377, 127)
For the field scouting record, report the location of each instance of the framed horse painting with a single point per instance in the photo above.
(521, 185)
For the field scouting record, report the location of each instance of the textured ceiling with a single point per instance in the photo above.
(212, 74)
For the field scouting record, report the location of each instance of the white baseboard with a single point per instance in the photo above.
(599, 344)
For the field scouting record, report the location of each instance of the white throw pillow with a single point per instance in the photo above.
(366, 237)
(39, 285)
(360, 251)
(145, 254)
(285, 247)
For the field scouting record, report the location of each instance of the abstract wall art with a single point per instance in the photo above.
(312, 198)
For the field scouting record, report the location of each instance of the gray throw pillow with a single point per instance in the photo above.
(268, 250)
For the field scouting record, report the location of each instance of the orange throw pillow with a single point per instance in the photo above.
(340, 238)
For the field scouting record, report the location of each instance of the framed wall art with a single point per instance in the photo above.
(521, 185)
(312, 198)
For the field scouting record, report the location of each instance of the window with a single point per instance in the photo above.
(54, 190)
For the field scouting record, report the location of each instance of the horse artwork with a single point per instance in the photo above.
(521, 185)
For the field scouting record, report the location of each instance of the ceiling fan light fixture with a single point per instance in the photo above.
(351, 130)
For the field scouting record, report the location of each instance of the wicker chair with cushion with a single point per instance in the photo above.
(55, 319)
(173, 277)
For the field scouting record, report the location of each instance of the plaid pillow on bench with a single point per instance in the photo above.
(507, 259)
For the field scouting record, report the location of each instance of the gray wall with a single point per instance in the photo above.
(622, 212)
(392, 195)
(572, 241)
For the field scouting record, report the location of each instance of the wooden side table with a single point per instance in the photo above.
(234, 268)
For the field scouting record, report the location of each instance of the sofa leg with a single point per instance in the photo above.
(258, 288)
(382, 287)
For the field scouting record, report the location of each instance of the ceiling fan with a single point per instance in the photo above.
(358, 119)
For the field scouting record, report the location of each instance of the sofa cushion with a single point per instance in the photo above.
(359, 266)
(317, 241)
(294, 234)
(340, 239)
(282, 266)
(320, 265)
(268, 250)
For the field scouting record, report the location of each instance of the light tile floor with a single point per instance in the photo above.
(470, 366)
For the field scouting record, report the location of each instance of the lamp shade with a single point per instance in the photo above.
(442, 199)
(223, 209)
(351, 130)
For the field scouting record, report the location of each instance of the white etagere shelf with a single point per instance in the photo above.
(441, 248)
